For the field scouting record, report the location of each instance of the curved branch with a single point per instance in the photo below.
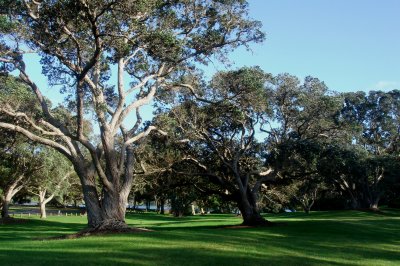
(36, 138)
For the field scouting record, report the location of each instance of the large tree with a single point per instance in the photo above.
(219, 126)
(148, 43)
(306, 118)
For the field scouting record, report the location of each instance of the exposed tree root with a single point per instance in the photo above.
(106, 227)
(257, 222)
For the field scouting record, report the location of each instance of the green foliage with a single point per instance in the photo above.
(377, 118)
(6, 26)
(17, 159)
(54, 175)
(17, 95)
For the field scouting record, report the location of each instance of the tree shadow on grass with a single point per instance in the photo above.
(159, 256)
(33, 229)
(300, 242)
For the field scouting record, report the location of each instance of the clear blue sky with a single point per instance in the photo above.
(350, 44)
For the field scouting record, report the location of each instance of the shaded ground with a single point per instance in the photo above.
(10, 220)
(322, 238)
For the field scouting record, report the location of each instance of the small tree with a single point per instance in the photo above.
(17, 164)
(52, 179)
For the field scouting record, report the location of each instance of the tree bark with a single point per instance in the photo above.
(108, 212)
(375, 203)
(43, 211)
(134, 203)
(43, 201)
(162, 203)
(9, 194)
(42, 204)
(5, 209)
(113, 210)
(247, 205)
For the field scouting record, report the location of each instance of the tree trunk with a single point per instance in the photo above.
(4, 209)
(42, 204)
(108, 212)
(43, 210)
(157, 201)
(10, 192)
(374, 203)
(43, 201)
(355, 204)
(113, 211)
(162, 203)
(251, 216)
(134, 203)
(90, 195)
(307, 204)
(249, 210)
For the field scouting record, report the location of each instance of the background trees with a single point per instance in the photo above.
(17, 156)
(52, 179)
(17, 163)
(375, 118)
(310, 148)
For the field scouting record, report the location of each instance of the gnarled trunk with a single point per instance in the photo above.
(108, 212)
(113, 209)
(375, 202)
(246, 201)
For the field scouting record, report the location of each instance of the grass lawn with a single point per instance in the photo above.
(321, 238)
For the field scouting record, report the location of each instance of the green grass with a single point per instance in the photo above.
(322, 238)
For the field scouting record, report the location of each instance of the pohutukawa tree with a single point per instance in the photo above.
(306, 119)
(147, 42)
(220, 129)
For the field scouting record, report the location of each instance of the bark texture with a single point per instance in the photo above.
(248, 207)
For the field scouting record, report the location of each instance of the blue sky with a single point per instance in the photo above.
(350, 44)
